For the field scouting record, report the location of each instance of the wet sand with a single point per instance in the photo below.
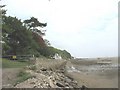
(95, 73)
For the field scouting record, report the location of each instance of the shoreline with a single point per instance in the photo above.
(97, 73)
(71, 74)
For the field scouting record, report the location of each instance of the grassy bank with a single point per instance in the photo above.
(13, 64)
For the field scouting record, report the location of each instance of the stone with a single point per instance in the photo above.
(59, 84)
(47, 78)
(68, 80)
(52, 85)
(43, 69)
(38, 71)
(66, 84)
(83, 87)
(34, 86)
(32, 82)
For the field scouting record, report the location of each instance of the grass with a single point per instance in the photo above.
(22, 76)
(13, 64)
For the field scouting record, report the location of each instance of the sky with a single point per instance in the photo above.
(85, 28)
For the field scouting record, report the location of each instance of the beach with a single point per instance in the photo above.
(95, 72)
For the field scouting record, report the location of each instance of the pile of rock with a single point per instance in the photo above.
(48, 79)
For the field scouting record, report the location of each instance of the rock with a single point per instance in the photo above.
(67, 87)
(47, 85)
(62, 70)
(52, 85)
(46, 78)
(66, 84)
(38, 71)
(83, 87)
(59, 84)
(43, 69)
(49, 73)
(35, 86)
(75, 82)
(32, 82)
(57, 77)
(39, 84)
(68, 80)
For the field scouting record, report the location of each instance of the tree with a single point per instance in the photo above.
(3, 11)
(47, 42)
(33, 24)
(18, 40)
(23, 38)
(12, 32)
(36, 27)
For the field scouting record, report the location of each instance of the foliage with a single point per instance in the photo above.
(33, 24)
(3, 12)
(63, 53)
(26, 38)
(19, 40)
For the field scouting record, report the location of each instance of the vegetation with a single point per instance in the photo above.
(22, 76)
(26, 38)
(63, 53)
(13, 64)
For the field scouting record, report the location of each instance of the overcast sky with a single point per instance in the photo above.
(85, 28)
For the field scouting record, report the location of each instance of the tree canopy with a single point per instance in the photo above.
(25, 38)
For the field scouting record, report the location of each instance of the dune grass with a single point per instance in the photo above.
(13, 64)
